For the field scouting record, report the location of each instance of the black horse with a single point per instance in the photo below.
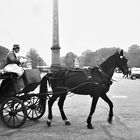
(94, 82)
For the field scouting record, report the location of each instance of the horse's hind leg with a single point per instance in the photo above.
(61, 104)
(50, 104)
(107, 100)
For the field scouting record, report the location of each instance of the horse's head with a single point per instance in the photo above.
(122, 62)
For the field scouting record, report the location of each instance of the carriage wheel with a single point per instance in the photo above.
(35, 109)
(13, 113)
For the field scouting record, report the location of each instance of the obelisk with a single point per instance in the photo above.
(55, 64)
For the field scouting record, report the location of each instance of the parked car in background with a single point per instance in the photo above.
(135, 73)
(86, 67)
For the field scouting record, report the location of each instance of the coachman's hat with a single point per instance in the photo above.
(16, 46)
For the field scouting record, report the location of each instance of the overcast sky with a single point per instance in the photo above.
(83, 24)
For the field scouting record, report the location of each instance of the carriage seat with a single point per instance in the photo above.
(26, 83)
(31, 79)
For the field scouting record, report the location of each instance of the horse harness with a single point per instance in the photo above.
(88, 80)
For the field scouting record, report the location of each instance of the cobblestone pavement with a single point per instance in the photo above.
(126, 121)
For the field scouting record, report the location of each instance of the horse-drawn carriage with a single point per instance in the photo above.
(18, 103)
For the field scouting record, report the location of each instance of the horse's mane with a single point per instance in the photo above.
(109, 60)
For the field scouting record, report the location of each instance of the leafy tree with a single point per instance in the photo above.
(81, 61)
(62, 61)
(42, 62)
(104, 53)
(36, 60)
(86, 52)
(134, 56)
(90, 59)
(70, 59)
(3, 52)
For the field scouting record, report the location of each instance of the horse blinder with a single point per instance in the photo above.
(122, 63)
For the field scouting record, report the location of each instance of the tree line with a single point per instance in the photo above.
(87, 58)
(95, 58)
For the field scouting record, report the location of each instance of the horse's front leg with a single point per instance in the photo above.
(92, 110)
(107, 100)
(61, 104)
(50, 104)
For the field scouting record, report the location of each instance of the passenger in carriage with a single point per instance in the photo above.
(11, 58)
(12, 64)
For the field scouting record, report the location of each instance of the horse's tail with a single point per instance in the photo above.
(43, 90)
(43, 85)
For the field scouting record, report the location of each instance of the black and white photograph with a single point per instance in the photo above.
(69, 69)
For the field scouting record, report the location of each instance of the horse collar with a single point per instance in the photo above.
(101, 70)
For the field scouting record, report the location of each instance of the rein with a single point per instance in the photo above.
(87, 82)
(66, 89)
(71, 89)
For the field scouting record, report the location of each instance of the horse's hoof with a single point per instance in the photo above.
(67, 123)
(109, 120)
(48, 123)
(89, 126)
